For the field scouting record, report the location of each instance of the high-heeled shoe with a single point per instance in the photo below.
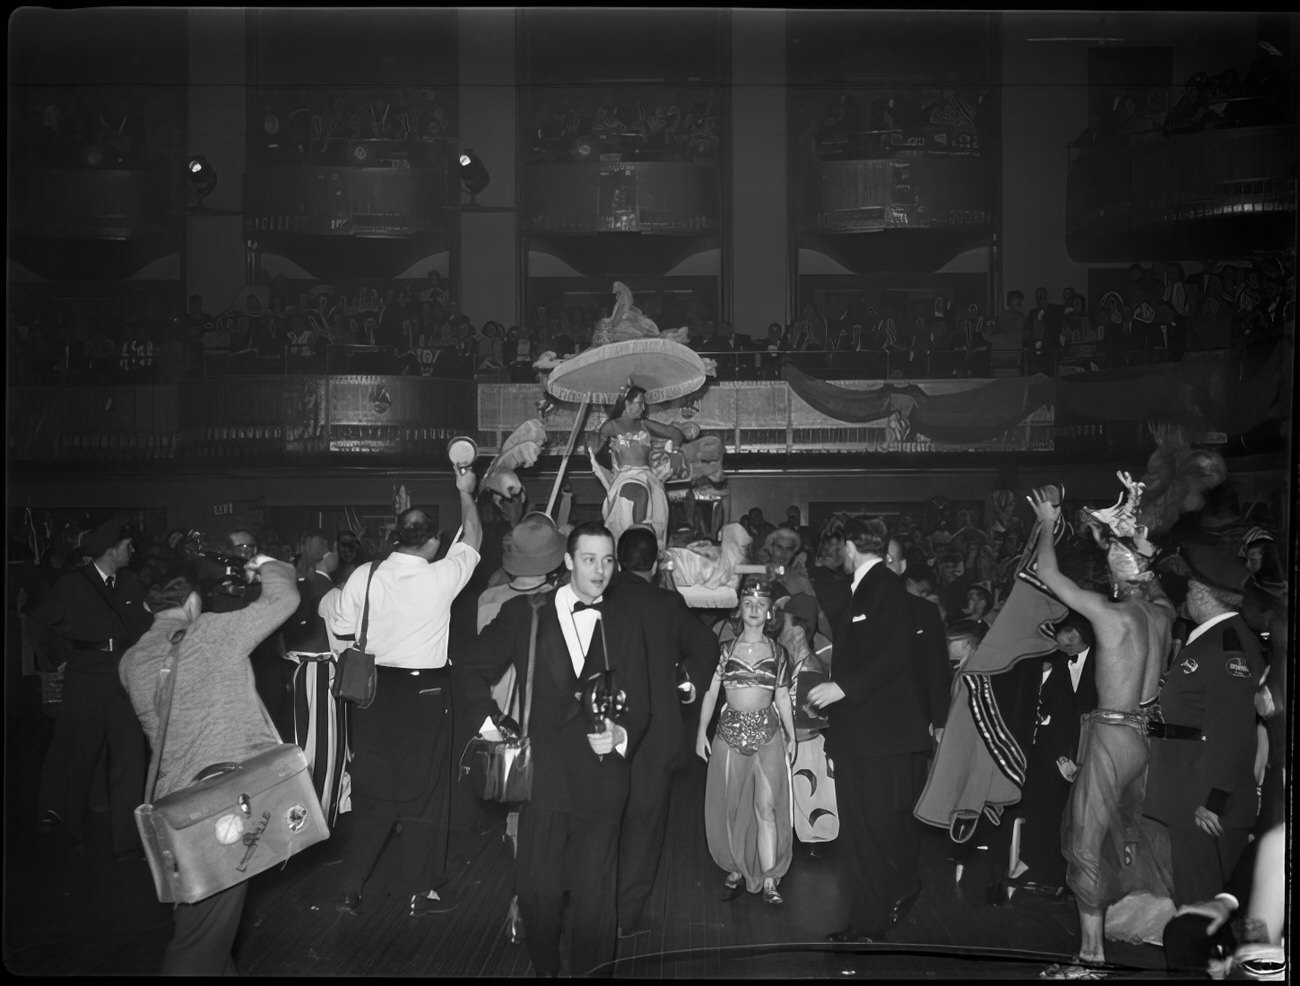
(772, 896)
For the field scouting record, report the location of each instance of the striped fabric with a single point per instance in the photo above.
(320, 727)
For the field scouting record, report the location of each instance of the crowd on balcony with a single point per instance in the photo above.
(1158, 313)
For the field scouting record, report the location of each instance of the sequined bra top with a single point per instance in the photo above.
(626, 439)
(745, 665)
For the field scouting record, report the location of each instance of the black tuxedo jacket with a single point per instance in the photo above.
(931, 670)
(567, 775)
(881, 712)
(1060, 707)
(673, 636)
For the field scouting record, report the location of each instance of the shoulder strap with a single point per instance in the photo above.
(365, 610)
(168, 674)
(536, 603)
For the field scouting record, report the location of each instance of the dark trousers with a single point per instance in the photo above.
(575, 852)
(1202, 863)
(1042, 805)
(96, 717)
(205, 934)
(641, 844)
(401, 772)
(880, 839)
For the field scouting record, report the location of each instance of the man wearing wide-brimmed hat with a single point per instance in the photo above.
(88, 620)
(1201, 782)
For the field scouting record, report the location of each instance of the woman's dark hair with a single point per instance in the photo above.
(620, 405)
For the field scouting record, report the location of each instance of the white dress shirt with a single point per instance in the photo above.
(410, 606)
(1206, 625)
(576, 627)
(860, 572)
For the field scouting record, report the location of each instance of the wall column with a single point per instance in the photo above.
(760, 260)
(214, 254)
(489, 242)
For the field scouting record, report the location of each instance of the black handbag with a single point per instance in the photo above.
(354, 678)
(234, 821)
(502, 770)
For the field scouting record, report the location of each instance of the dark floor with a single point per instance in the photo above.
(80, 912)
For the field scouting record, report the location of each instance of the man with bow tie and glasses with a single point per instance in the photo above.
(569, 829)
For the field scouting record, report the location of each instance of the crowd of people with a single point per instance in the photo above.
(1140, 719)
(1159, 313)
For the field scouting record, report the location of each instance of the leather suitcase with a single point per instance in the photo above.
(239, 820)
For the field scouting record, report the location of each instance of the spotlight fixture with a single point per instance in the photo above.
(474, 176)
(203, 177)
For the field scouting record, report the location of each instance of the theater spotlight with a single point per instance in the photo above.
(203, 177)
(474, 176)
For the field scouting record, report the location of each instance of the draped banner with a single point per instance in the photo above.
(969, 416)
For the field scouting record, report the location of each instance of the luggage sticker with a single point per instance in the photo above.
(296, 817)
(230, 829)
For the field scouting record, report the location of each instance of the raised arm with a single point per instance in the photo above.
(471, 524)
(1084, 601)
(669, 432)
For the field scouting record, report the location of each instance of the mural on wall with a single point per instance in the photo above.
(633, 123)
(323, 125)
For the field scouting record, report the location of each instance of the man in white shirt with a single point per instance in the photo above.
(401, 743)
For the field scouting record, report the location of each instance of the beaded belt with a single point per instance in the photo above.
(746, 732)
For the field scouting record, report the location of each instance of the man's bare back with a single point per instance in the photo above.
(1133, 638)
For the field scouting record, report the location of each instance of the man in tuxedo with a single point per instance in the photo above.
(569, 829)
(877, 738)
(929, 664)
(1067, 692)
(88, 620)
(675, 638)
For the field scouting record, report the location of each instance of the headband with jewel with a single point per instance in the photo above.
(758, 588)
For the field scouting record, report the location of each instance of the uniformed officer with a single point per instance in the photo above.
(87, 622)
(1201, 781)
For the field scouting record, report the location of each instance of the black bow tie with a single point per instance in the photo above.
(579, 606)
(1075, 658)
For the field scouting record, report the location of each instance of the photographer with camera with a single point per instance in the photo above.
(401, 743)
(590, 653)
(215, 717)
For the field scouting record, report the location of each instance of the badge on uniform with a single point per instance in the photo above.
(1189, 666)
(1237, 667)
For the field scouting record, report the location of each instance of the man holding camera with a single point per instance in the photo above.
(569, 828)
(401, 743)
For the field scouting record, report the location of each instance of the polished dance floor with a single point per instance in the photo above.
(79, 911)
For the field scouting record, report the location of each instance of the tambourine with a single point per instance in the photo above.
(461, 452)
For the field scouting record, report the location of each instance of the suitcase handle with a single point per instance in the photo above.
(215, 770)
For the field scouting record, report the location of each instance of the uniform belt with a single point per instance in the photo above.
(304, 655)
(1169, 730)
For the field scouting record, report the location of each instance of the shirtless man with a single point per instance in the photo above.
(1133, 637)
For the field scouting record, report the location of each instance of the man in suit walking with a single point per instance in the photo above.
(930, 666)
(569, 829)
(86, 623)
(675, 638)
(877, 738)
(1201, 782)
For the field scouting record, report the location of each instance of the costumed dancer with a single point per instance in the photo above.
(747, 802)
(1109, 852)
(816, 817)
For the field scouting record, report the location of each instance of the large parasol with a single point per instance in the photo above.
(666, 369)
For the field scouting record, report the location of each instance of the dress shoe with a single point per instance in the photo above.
(902, 907)
(349, 902)
(849, 936)
(430, 902)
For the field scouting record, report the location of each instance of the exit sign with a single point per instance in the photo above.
(223, 510)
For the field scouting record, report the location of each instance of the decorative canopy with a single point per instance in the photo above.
(667, 370)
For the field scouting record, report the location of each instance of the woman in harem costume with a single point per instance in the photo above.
(636, 492)
(748, 814)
